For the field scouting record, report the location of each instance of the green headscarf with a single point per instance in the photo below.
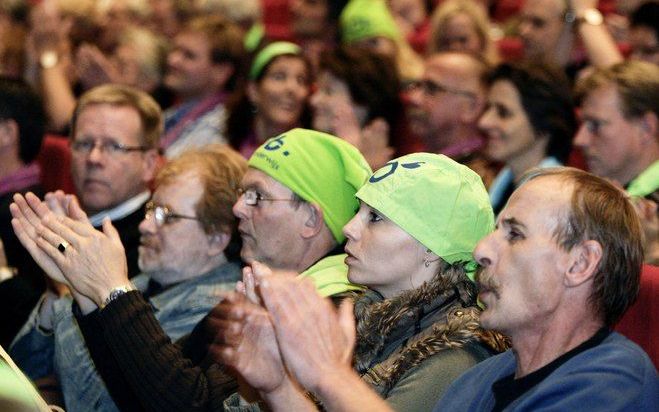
(441, 203)
(318, 167)
(363, 19)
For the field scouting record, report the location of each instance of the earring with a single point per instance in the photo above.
(426, 263)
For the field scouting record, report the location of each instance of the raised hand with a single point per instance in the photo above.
(314, 338)
(27, 212)
(92, 262)
(245, 340)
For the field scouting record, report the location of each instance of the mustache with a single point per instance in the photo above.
(486, 283)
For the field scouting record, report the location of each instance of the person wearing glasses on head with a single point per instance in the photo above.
(292, 203)
(188, 255)
(444, 106)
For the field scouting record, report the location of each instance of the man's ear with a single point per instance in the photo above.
(584, 261)
(649, 124)
(314, 220)
(218, 242)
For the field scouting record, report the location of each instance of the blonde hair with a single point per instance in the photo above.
(125, 96)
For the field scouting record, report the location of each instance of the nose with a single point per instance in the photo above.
(315, 100)
(148, 224)
(524, 28)
(582, 138)
(240, 209)
(483, 251)
(415, 96)
(485, 122)
(351, 229)
(95, 154)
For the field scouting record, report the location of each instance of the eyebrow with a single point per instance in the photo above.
(512, 222)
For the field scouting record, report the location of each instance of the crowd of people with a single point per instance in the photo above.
(301, 205)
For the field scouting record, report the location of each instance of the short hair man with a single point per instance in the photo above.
(619, 133)
(561, 268)
(445, 107)
(203, 67)
(549, 30)
(114, 139)
(298, 192)
(185, 251)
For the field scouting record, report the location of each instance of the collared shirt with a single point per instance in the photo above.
(122, 210)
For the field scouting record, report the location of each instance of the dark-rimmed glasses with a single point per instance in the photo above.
(433, 89)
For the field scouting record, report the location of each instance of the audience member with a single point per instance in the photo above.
(22, 123)
(549, 30)
(417, 327)
(619, 136)
(184, 259)
(358, 99)
(203, 68)
(644, 32)
(462, 26)
(444, 108)
(529, 122)
(274, 100)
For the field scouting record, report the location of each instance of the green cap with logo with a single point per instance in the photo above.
(439, 202)
(318, 167)
(364, 19)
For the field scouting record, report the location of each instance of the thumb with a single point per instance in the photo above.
(347, 325)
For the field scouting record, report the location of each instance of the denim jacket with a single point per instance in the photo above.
(178, 309)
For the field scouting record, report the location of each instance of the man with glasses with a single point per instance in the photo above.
(619, 135)
(445, 106)
(188, 256)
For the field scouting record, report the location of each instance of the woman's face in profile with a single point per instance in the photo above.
(505, 123)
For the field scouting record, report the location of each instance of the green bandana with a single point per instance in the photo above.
(268, 53)
(363, 19)
(438, 201)
(318, 167)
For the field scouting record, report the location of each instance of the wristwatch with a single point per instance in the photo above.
(589, 16)
(116, 292)
(48, 59)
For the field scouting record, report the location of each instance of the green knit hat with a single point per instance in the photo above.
(269, 52)
(318, 167)
(363, 19)
(439, 202)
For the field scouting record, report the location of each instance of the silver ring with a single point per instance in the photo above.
(62, 246)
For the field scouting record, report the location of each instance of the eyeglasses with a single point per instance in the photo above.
(433, 89)
(252, 198)
(108, 147)
(162, 214)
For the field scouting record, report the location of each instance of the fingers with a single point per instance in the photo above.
(110, 230)
(75, 211)
(347, 325)
(249, 285)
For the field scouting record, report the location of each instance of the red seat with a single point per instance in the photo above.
(55, 162)
(641, 322)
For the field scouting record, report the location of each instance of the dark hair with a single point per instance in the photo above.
(18, 102)
(547, 101)
(600, 211)
(646, 15)
(241, 111)
(372, 80)
(226, 41)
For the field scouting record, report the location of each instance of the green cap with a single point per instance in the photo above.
(363, 19)
(268, 53)
(439, 202)
(318, 167)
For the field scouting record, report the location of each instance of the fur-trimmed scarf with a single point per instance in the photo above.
(395, 335)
